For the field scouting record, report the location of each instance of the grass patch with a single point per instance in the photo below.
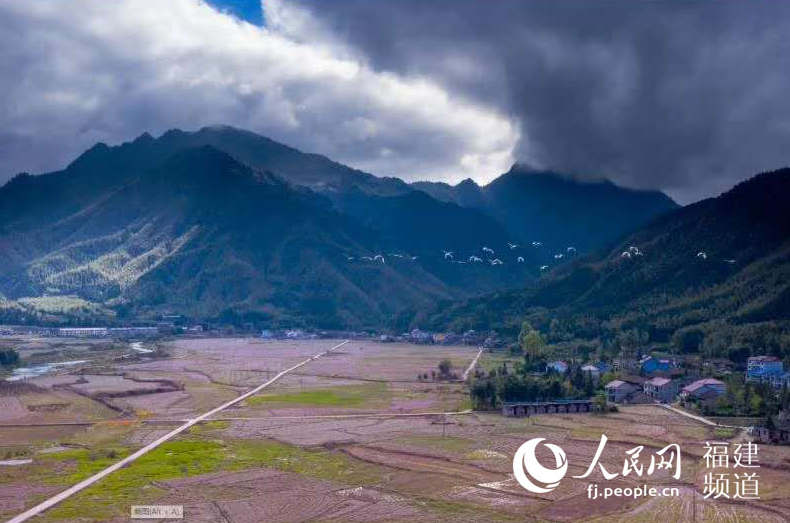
(104, 434)
(321, 464)
(724, 432)
(345, 396)
(449, 443)
(493, 361)
(691, 431)
(485, 454)
(112, 496)
(208, 427)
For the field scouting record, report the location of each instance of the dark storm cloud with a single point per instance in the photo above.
(108, 71)
(689, 97)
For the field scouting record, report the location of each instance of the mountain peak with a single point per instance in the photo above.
(99, 150)
(144, 138)
(468, 182)
(523, 167)
(207, 160)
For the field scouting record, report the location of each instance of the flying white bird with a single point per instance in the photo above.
(378, 257)
(350, 258)
(558, 256)
(367, 258)
(413, 258)
(633, 249)
(448, 255)
(571, 250)
(701, 254)
(475, 259)
(496, 261)
(537, 244)
(520, 259)
(639, 253)
(488, 250)
(730, 261)
(625, 254)
(544, 267)
(396, 255)
(512, 245)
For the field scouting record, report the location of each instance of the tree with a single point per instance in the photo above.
(688, 341)
(756, 404)
(631, 342)
(589, 386)
(8, 357)
(531, 342)
(607, 377)
(444, 367)
(483, 394)
(600, 403)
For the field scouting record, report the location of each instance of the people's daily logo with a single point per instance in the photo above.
(533, 476)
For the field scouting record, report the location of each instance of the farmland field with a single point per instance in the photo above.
(352, 436)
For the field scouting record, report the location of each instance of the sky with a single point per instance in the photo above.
(684, 97)
(248, 10)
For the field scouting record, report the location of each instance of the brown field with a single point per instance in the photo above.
(350, 437)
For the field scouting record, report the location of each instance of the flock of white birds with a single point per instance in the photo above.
(633, 252)
(488, 256)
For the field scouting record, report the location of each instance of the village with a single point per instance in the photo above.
(667, 381)
(370, 414)
(699, 387)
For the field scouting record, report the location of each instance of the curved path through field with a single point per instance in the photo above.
(689, 415)
(54, 500)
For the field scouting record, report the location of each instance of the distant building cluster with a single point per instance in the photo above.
(288, 334)
(593, 370)
(83, 332)
(663, 384)
(767, 369)
(107, 332)
(148, 331)
(770, 435)
(470, 337)
(635, 389)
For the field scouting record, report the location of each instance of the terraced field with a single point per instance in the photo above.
(352, 437)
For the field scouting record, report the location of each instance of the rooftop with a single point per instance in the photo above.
(617, 383)
(763, 358)
(701, 383)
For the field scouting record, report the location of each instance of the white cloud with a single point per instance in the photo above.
(90, 70)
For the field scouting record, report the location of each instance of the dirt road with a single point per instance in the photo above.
(54, 500)
(471, 365)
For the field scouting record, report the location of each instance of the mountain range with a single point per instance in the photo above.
(556, 209)
(711, 277)
(225, 225)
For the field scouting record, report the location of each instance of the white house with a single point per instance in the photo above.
(557, 366)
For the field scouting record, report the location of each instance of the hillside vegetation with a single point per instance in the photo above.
(713, 278)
